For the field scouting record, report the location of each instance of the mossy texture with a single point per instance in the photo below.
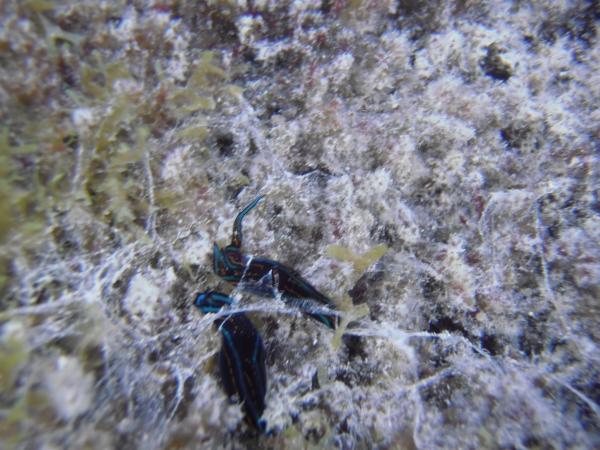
(430, 166)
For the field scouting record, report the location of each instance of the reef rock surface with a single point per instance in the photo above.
(432, 166)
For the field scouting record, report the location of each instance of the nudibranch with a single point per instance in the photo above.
(241, 359)
(266, 276)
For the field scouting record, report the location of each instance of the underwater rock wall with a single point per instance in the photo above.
(434, 161)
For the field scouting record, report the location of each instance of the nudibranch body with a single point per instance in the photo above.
(241, 359)
(266, 276)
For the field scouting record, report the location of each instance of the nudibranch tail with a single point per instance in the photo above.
(242, 366)
(242, 357)
(236, 238)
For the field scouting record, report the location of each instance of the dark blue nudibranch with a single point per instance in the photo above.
(241, 359)
(265, 276)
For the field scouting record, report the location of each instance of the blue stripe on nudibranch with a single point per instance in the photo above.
(231, 278)
(222, 298)
(258, 362)
(239, 372)
(242, 356)
(247, 379)
(257, 346)
(217, 258)
(211, 301)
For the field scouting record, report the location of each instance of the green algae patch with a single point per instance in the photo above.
(14, 201)
(206, 71)
(235, 92)
(98, 78)
(197, 94)
(3, 274)
(196, 133)
(39, 6)
(6, 219)
(10, 427)
(352, 313)
(186, 100)
(12, 356)
(360, 262)
(32, 407)
(120, 115)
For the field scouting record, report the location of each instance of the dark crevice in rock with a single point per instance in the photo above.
(493, 65)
